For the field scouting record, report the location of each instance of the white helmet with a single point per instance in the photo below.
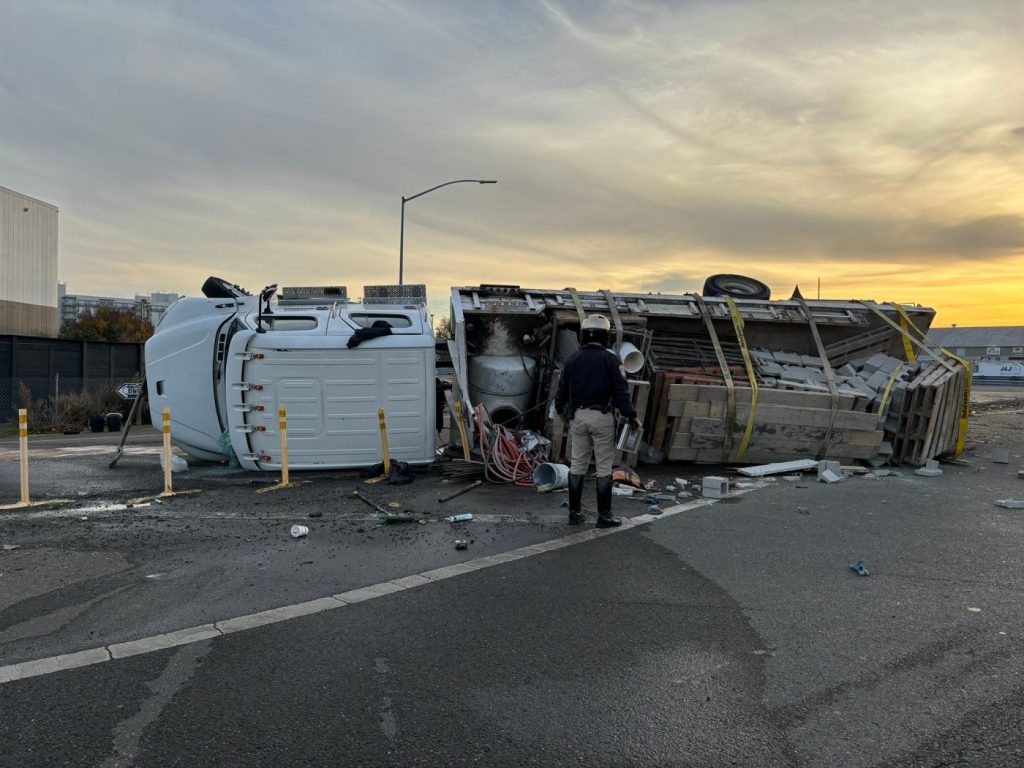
(594, 330)
(596, 323)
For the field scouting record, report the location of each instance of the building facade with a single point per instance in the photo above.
(153, 304)
(994, 343)
(28, 265)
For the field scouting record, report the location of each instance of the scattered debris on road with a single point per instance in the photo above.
(1010, 503)
(859, 568)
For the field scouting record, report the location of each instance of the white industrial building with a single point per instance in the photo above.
(983, 343)
(28, 265)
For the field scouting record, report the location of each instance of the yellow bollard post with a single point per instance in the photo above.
(384, 441)
(463, 436)
(282, 417)
(23, 453)
(23, 462)
(167, 452)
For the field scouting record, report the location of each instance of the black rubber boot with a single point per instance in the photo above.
(604, 504)
(576, 515)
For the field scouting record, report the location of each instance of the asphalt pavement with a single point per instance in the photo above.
(728, 634)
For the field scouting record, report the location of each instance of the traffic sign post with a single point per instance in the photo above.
(130, 390)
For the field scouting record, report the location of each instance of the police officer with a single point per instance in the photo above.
(591, 384)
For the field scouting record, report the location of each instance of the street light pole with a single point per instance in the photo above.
(401, 236)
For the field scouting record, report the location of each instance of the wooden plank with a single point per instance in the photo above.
(681, 439)
(808, 417)
(784, 449)
(766, 396)
(684, 454)
(658, 436)
(685, 391)
(693, 410)
(715, 428)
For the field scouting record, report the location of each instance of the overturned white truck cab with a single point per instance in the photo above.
(224, 364)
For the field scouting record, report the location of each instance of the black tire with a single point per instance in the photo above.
(736, 286)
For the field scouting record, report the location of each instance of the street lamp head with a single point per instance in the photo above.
(487, 181)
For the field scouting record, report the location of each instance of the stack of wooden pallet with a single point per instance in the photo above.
(693, 424)
(924, 419)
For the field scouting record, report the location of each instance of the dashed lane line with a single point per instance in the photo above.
(161, 642)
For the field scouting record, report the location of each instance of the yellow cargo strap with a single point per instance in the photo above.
(888, 391)
(737, 324)
(730, 388)
(965, 404)
(830, 377)
(579, 304)
(905, 323)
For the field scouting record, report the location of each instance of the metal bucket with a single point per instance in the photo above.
(551, 477)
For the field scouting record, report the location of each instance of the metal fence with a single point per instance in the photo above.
(61, 402)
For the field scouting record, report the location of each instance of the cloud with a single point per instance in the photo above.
(627, 138)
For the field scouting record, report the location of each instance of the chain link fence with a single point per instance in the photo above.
(61, 404)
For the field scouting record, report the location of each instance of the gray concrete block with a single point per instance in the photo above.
(788, 358)
(715, 487)
(828, 476)
(769, 369)
(1001, 456)
(878, 381)
(833, 466)
(812, 361)
(847, 370)
(890, 364)
(875, 362)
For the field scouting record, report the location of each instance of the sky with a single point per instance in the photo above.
(638, 146)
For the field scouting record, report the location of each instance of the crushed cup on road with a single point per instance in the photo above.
(298, 531)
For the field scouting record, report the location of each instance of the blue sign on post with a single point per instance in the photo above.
(130, 390)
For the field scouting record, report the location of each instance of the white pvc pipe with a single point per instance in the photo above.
(631, 357)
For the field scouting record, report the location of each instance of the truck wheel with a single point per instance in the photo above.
(736, 286)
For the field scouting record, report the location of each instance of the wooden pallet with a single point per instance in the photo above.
(691, 424)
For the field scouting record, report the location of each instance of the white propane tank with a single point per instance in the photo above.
(504, 384)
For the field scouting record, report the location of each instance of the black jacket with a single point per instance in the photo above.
(592, 376)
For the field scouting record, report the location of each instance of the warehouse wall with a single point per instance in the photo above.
(28, 265)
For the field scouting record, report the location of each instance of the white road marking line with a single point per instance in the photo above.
(52, 664)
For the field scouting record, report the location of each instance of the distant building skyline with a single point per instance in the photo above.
(73, 305)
